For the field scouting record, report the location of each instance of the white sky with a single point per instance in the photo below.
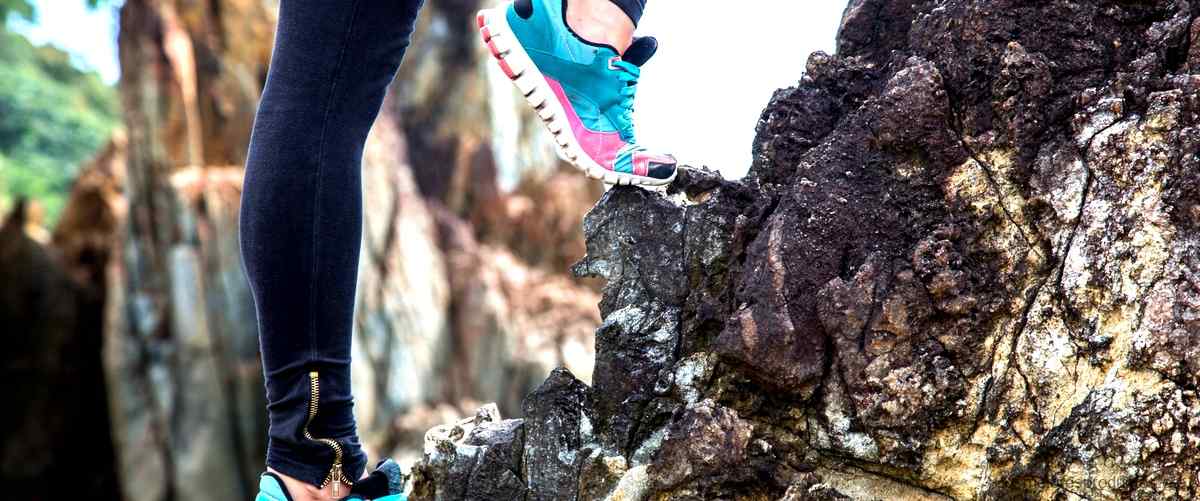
(700, 97)
(89, 35)
(717, 65)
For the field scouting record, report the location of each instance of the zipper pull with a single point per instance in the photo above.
(336, 475)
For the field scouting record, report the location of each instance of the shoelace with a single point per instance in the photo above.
(628, 75)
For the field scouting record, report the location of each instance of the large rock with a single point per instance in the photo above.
(477, 458)
(961, 267)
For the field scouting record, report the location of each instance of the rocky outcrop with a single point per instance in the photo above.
(962, 267)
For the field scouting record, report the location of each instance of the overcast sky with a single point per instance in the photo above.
(718, 63)
(717, 67)
(89, 35)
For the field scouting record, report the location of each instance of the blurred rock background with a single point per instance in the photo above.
(463, 296)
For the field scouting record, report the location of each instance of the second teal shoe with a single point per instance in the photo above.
(270, 488)
(582, 91)
(386, 483)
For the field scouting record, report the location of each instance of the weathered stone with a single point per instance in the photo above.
(600, 474)
(478, 458)
(639, 347)
(557, 426)
(963, 266)
(655, 225)
(1193, 54)
(707, 440)
(810, 488)
(498, 474)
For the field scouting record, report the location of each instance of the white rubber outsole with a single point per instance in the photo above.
(512, 59)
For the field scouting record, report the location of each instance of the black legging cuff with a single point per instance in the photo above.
(632, 8)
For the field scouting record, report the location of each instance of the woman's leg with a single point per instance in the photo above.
(301, 219)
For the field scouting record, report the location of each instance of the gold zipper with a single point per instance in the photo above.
(335, 472)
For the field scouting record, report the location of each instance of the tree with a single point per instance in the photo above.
(53, 116)
(21, 8)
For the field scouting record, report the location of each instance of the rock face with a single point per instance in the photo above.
(963, 266)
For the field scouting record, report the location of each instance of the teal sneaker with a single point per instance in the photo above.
(386, 483)
(582, 91)
(270, 488)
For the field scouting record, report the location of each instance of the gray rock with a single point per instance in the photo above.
(963, 266)
(557, 425)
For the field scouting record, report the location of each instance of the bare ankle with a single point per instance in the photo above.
(301, 491)
(600, 21)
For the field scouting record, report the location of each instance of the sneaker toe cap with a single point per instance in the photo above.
(654, 165)
(660, 170)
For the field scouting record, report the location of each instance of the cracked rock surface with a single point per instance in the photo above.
(965, 265)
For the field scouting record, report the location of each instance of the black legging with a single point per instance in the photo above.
(633, 8)
(301, 214)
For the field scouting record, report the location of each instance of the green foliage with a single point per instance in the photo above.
(52, 118)
(20, 8)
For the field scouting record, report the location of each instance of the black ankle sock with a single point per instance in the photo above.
(632, 8)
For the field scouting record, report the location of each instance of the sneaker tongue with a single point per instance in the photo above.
(640, 51)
